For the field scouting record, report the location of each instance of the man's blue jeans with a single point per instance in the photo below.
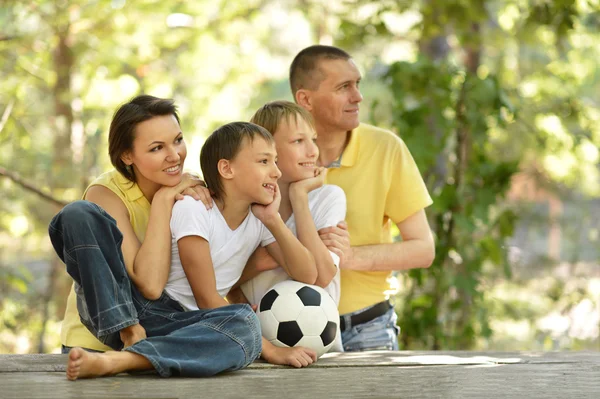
(381, 333)
(193, 344)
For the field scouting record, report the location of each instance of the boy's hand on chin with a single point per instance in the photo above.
(307, 185)
(270, 212)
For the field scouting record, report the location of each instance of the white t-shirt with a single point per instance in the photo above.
(229, 249)
(327, 206)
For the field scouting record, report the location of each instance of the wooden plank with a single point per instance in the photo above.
(45, 362)
(531, 380)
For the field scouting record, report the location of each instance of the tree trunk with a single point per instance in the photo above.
(436, 48)
(463, 150)
(63, 171)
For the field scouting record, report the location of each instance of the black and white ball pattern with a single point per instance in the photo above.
(297, 314)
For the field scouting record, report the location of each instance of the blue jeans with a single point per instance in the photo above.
(381, 333)
(192, 344)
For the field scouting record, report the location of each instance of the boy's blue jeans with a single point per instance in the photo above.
(381, 333)
(193, 344)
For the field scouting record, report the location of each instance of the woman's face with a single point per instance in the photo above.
(158, 152)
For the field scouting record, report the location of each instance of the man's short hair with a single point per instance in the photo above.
(272, 114)
(225, 143)
(304, 71)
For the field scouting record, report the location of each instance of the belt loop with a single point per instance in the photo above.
(344, 323)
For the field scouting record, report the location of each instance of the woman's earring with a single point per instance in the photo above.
(128, 168)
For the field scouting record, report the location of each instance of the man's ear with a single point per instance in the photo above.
(224, 168)
(303, 99)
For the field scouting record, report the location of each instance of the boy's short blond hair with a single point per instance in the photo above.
(273, 113)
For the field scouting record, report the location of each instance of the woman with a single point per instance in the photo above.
(116, 246)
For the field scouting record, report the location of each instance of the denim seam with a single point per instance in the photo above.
(233, 337)
(147, 310)
(83, 246)
(258, 337)
(161, 371)
(118, 327)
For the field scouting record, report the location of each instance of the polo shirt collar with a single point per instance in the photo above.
(350, 153)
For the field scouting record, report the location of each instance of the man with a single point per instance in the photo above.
(382, 185)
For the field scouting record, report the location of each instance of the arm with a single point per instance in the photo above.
(306, 230)
(236, 295)
(147, 263)
(260, 261)
(289, 253)
(405, 199)
(416, 250)
(194, 252)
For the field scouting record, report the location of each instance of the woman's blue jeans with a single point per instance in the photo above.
(179, 343)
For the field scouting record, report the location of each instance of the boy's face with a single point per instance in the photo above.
(255, 171)
(297, 150)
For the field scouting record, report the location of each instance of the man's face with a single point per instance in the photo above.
(335, 103)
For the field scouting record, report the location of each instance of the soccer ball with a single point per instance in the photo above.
(298, 314)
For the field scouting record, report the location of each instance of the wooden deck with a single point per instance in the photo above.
(368, 374)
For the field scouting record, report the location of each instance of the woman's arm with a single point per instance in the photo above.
(148, 262)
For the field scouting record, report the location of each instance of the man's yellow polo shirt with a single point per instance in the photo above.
(73, 333)
(382, 184)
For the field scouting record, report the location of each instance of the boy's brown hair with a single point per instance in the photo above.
(225, 143)
(271, 115)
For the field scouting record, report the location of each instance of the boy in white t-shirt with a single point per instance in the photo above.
(306, 204)
(211, 247)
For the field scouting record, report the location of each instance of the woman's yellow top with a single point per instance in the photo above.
(73, 333)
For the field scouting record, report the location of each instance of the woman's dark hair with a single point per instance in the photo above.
(124, 122)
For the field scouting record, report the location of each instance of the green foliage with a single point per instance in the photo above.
(443, 114)
(460, 109)
(478, 90)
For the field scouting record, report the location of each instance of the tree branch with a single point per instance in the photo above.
(6, 114)
(28, 186)
(7, 38)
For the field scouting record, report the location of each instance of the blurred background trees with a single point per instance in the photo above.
(497, 100)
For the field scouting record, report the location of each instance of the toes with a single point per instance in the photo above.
(72, 375)
(75, 354)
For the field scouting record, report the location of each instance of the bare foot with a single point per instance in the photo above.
(83, 364)
(132, 334)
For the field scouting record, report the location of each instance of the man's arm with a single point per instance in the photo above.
(416, 250)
